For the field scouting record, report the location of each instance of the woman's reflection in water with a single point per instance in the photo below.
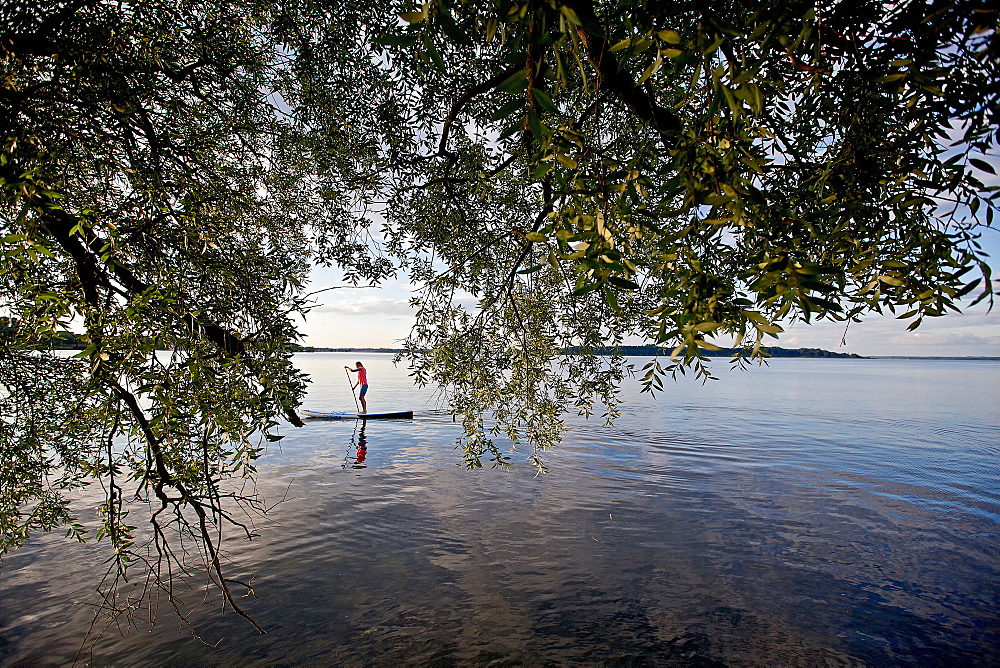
(362, 448)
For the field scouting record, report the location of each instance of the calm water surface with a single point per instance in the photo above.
(836, 512)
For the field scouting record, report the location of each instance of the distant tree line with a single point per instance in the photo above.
(59, 340)
(628, 351)
(654, 351)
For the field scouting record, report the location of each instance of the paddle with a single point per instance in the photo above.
(349, 382)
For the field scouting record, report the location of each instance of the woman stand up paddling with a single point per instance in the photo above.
(363, 382)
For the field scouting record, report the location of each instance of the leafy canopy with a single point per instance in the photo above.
(156, 194)
(690, 173)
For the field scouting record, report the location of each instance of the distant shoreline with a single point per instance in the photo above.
(627, 351)
(653, 351)
(644, 351)
(314, 349)
(69, 341)
(971, 358)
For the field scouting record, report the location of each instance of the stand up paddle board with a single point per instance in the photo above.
(358, 416)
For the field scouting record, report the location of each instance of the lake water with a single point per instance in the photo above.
(813, 512)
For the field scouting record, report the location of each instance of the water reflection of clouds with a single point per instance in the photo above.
(811, 510)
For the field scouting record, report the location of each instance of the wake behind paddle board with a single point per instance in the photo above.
(399, 415)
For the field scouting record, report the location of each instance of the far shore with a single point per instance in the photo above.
(652, 351)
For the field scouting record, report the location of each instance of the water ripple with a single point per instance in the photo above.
(823, 513)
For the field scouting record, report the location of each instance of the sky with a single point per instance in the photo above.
(381, 317)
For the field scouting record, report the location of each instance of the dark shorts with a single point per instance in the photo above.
(364, 388)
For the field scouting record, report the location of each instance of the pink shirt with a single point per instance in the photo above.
(363, 375)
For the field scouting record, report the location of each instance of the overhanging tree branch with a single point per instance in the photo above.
(612, 77)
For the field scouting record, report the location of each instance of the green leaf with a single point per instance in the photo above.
(512, 128)
(983, 165)
(508, 109)
(544, 100)
(395, 40)
(414, 17)
(826, 303)
(541, 170)
(570, 15)
(734, 104)
(755, 98)
(669, 36)
(623, 283)
(624, 44)
(611, 299)
(566, 161)
(515, 83)
(535, 123)
(651, 70)
(434, 54)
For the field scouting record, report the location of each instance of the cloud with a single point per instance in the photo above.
(365, 306)
(945, 339)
